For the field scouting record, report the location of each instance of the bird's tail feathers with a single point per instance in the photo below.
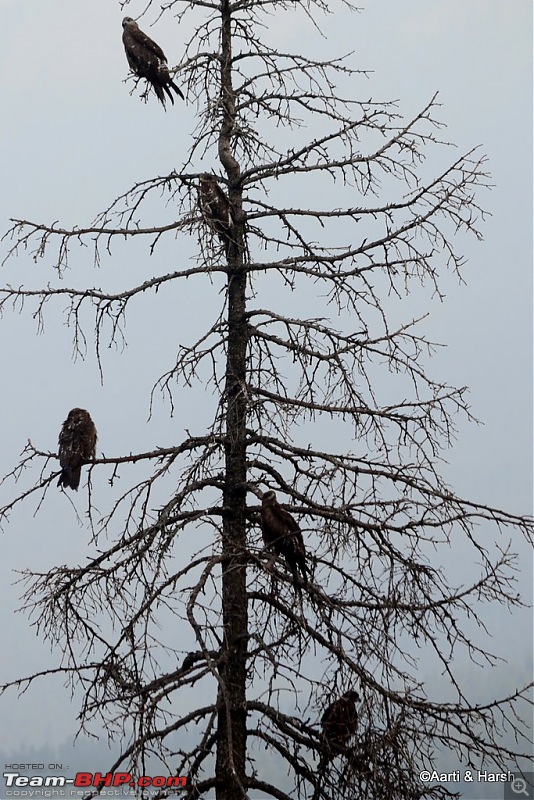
(70, 476)
(176, 89)
(168, 91)
(160, 93)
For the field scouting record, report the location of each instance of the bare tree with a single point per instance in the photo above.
(270, 651)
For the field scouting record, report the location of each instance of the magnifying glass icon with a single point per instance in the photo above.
(519, 786)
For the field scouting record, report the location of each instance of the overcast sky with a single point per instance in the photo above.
(73, 139)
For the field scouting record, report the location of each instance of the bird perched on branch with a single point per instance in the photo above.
(282, 533)
(215, 208)
(77, 444)
(147, 60)
(339, 721)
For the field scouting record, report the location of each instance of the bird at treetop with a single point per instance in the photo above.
(77, 444)
(147, 60)
(282, 533)
(215, 207)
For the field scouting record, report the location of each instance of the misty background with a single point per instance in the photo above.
(74, 139)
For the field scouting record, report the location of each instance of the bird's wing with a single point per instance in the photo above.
(90, 439)
(287, 520)
(146, 43)
(331, 715)
(68, 445)
(222, 204)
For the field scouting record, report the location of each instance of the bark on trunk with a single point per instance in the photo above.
(231, 745)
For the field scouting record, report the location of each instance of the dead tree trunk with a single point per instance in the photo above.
(231, 747)
(232, 701)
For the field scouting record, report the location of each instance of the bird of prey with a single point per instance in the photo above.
(282, 533)
(215, 208)
(339, 721)
(77, 444)
(147, 60)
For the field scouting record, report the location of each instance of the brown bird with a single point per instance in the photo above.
(147, 60)
(282, 533)
(340, 720)
(215, 208)
(77, 444)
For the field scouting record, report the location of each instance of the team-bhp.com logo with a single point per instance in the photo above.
(96, 779)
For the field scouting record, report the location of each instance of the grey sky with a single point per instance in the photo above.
(72, 139)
